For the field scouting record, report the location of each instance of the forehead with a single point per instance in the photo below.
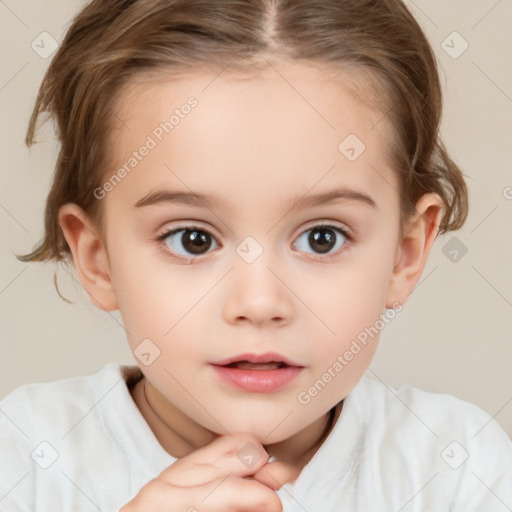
(287, 123)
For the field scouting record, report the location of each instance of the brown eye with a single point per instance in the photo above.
(195, 242)
(186, 242)
(323, 239)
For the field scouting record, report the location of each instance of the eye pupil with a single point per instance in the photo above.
(322, 239)
(195, 241)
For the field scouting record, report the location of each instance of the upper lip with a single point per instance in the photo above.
(267, 357)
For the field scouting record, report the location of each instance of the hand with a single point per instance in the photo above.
(215, 478)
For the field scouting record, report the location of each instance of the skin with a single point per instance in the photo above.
(255, 143)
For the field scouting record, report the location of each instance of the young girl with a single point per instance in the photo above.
(256, 186)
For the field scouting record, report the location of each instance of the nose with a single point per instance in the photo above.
(257, 293)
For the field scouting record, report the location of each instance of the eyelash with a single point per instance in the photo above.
(163, 236)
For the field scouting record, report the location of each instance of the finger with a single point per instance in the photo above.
(237, 455)
(220, 495)
(237, 494)
(276, 473)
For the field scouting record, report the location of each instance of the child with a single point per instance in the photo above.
(256, 186)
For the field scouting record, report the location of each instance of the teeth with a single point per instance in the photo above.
(245, 365)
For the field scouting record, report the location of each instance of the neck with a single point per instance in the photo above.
(179, 435)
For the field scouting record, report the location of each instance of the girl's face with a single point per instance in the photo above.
(242, 174)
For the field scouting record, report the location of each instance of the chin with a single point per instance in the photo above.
(271, 432)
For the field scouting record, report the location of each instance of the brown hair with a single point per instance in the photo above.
(110, 43)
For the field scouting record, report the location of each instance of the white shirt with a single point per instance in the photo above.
(81, 445)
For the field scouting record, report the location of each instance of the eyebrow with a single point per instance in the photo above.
(204, 200)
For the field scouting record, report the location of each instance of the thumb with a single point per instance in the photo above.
(276, 473)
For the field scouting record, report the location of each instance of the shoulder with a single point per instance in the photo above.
(31, 407)
(413, 405)
(48, 409)
(408, 411)
(45, 428)
(420, 435)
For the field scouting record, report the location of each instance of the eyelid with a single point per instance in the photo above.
(324, 258)
(192, 224)
(326, 224)
(318, 224)
(185, 225)
(164, 233)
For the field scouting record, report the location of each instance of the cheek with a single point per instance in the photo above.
(147, 302)
(159, 300)
(351, 304)
(352, 297)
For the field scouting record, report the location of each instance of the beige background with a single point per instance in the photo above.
(455, 332)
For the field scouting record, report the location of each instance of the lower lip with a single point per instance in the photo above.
(258, 381)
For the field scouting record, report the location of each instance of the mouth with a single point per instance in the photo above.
(246, 365)
(257, 373)
(258, 359)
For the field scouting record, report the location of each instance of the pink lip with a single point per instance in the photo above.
(257, 381)
(267, 357)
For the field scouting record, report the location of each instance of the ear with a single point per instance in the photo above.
(414, 248)
(89, 255)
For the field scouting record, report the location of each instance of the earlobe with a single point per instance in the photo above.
(414, 248)
(89, 256)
